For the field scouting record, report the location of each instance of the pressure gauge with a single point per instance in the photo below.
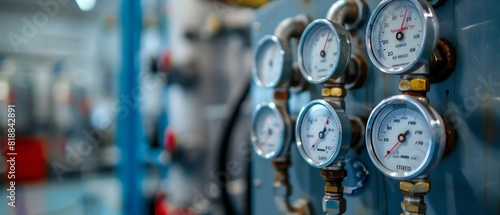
(405, 137)
(272, 62)
(323, 133)
(324, 51)
(401, 35)
(271, 130)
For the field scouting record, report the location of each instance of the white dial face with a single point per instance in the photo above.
(320, 52)
(397, 35)
(319, 133)
(401, 138)
(269, 62)
(269, 131)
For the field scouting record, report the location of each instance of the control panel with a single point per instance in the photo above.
(372, 102)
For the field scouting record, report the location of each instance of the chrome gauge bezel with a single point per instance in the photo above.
(344, 133)
(430, 36)
(286, 133)
(285, 69)
(343, 42)
(437, 142)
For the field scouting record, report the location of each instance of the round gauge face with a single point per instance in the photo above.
(323, 51)
(319, 133)
(397, 37)
(405, 137)
(269, 61)
(268, 133)
(401, 138)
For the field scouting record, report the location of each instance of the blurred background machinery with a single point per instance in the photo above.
(144, 107)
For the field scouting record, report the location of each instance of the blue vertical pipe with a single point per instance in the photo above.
(129, 135)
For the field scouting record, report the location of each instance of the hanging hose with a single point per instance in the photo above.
(235, 104)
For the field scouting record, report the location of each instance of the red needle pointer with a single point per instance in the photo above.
(401, 138)
(319, 138)
(326, 41)
(402, 23)
(390, 151)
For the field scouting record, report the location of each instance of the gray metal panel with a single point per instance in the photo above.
(467, 180)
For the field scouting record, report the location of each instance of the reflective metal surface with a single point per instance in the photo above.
(466, 180)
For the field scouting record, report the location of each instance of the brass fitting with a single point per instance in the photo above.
(334, 201)
(280, 95)
(333, 92)
(415, 187)
(416, 84)
(413, 196)
(413, 208)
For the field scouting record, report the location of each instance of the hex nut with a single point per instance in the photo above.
(422, 187)
(333, 189)
(334, 206)
(413, 208)
(325, 92)
(419, 84)
(404, 85)
(415, 187)
(333, 173)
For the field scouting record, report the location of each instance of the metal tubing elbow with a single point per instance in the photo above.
(282, 191)
(291, 27)
(301, 206)
(349, 13)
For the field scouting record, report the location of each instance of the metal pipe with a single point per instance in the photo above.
(333, 200)
(334, 90)
(291, 27)
(288, 28)
(283, 190)
(413, 195)
(417, 83)
(281, 187)
(349, 13)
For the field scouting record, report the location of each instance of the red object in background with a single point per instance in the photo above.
(12, 98)
(163, 208)
(166, 61)
(170, 140)
(84, 107)
(30, 160)
(160, 206)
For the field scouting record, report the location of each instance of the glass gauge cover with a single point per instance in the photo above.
(405, 137)
(272, 62)
(323, 133)
(401, 35)
(271, 130)
(324, 51)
